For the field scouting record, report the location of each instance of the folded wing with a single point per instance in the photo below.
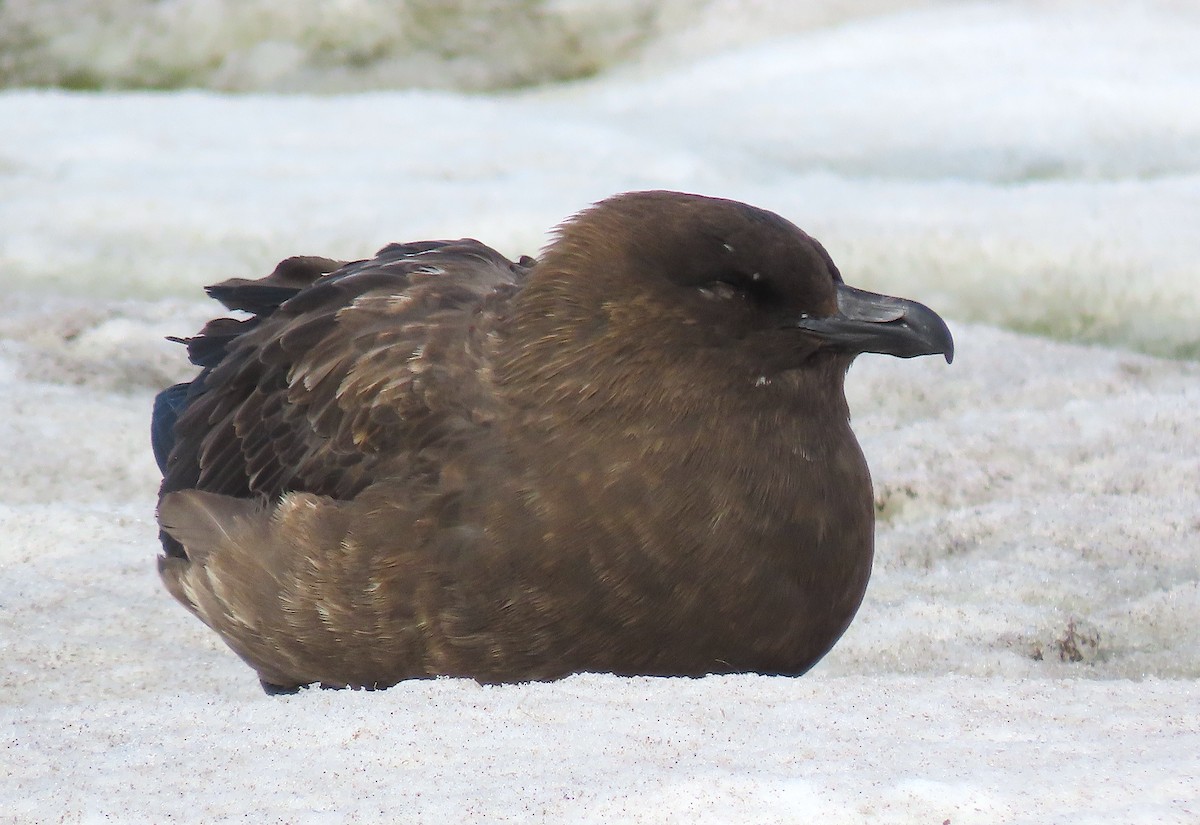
(340, 374)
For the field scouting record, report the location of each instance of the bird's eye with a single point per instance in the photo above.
(748, 286)
(720, 291)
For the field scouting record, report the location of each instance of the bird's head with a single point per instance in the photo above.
(661, 276)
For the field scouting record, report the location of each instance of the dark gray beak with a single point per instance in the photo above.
(869, 322)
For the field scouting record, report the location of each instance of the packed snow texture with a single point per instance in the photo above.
(1027, 651)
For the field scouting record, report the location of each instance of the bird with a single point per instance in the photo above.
(631, 454)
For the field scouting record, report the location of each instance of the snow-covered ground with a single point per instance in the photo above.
(1027, 651)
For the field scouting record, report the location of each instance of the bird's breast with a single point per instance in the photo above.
(716, 547)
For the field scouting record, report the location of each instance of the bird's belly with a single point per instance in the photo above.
(700, 591)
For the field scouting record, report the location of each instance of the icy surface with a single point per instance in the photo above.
(1027, 651)
(1038, 170)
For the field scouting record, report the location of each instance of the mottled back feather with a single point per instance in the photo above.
(344, 374)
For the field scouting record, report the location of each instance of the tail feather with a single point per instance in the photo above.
(168, 406)
(262, 296)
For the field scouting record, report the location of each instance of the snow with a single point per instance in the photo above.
(593, 749)
(1027, 649)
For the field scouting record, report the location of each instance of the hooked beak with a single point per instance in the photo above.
(869, 322)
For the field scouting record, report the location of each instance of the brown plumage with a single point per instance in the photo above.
(632, 455)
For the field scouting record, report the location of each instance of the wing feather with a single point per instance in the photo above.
(342, 375)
